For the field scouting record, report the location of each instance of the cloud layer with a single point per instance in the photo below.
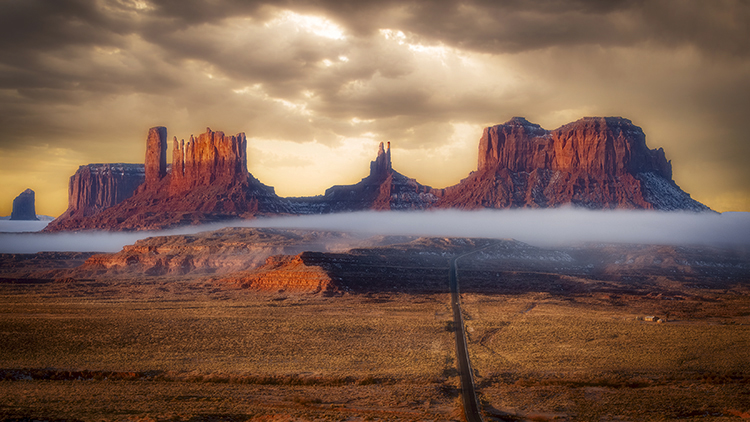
(82, 80)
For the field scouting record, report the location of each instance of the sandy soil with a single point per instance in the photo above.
(539, 356)
(182, 350)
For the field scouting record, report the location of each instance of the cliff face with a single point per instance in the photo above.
(600, 162)
(96, 187)
(383, 189)
(24, 206)
(209, 159)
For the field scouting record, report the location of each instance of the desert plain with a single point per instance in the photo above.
(364, 331)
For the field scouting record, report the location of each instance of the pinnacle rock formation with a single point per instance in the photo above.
(595, 162)
(156, 155)
(210, 158)
(24, 207)
(208, 181)
(383, 189)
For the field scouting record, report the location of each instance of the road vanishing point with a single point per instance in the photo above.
(468, 393)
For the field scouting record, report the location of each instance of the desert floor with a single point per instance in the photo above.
(186, 349)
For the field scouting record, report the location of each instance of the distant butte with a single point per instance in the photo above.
(24, 206)
(595, 162)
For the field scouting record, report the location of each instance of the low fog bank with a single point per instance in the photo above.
(547, 227)
(543, 227)
(19, 226)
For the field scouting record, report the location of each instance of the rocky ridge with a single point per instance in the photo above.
(219, 252)
(330, 263)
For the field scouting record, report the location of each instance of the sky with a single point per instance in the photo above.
(316, 85)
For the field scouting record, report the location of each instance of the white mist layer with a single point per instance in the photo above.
(18, 226)
(543, 227)
(546, 227)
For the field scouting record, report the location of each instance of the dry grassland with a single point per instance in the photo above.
(544, 357)
(166, 353)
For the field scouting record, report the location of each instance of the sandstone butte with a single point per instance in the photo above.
(24, 206)
(207, 181)
(595, 162)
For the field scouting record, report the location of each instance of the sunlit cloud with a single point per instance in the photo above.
(317, 25)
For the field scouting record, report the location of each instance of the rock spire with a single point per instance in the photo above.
(156, 155)
(381, 167)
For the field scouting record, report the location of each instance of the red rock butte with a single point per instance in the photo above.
(595, 162)
(207, 181)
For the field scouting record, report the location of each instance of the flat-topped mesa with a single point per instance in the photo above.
(381, 167)
(208, 181)
(210, 158)
(595, 162)
(595, 145)
(97, 187)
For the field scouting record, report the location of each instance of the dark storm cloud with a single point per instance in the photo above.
(36, 37)
(513, 26)
(494, 26)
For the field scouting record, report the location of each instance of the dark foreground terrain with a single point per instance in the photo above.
(260, 324)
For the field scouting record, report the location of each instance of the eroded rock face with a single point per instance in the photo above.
(381, 167)
(24, 207)
(288, 274)
(595, 162)
(596, 145)
(210, 158)
(96, 187)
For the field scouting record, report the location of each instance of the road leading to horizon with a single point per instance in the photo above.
(471, 405)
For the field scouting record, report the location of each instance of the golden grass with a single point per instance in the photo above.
(552, 336)
(546, 357)
(179, 353)
(327, 337)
